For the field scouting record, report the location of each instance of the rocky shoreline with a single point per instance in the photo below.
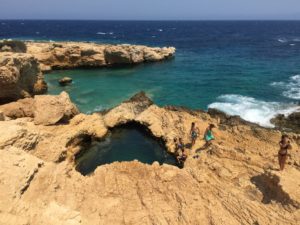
(22, 64)
(235, 181)
(38, 152)
(67, 55)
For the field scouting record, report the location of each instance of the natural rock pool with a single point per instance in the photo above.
(125, 143)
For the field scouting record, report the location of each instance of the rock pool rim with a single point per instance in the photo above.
(87, 141)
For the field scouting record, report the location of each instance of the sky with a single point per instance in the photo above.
(151, 9)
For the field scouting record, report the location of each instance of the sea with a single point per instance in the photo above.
(245, 68)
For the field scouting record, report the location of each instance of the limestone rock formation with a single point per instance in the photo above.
(12, 46)
(64, 55)
(233, 182)
(288, 123)
(45, 109)
(19, 109)
(20, 77)
(49, 110)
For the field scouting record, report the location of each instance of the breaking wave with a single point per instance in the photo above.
(291, 89)
(251, 109)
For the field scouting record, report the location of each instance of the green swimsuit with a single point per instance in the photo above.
(209, 136)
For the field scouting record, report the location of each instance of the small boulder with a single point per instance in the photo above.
(50, 110)
(65, 81)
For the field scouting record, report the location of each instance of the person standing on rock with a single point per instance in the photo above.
(194, 132)
(285, 145)
(208, 135)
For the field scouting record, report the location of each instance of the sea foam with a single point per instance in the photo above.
(291, 88)
(251, 109)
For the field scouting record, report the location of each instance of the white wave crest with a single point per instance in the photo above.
(101, 33)
(291, 88)
(282, 40)
(251, 109)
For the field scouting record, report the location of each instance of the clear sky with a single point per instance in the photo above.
(150, 9)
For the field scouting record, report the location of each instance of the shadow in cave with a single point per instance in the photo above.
(124, 143)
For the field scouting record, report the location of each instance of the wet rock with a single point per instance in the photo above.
(288, 123)
(65, 81)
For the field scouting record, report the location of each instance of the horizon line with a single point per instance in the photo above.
(151, 20)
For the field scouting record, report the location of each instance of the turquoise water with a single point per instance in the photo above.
(246, 68)
(124, 144)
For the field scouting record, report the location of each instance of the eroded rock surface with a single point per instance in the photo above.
(235, 181)
(62, 55)
(44, 109)
(288, 123)
(12, 46)
(49, 110)
(20, 76)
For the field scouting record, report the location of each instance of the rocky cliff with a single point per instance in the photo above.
(235, 181)
(20, 76)
(66, 55)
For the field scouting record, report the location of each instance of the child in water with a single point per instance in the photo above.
(285, 145)
(194, 133)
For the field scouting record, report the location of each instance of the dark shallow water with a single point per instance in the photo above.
(124, 144)
(246, 68)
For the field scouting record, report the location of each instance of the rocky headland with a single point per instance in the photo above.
(67, 55)
(22, 63)
(235, 181)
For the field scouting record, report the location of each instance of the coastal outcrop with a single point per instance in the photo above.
(22, 63)
(288, 123)
(66, 55)
(235, 181)
(12, 46)
(44, 109)
(20, 76)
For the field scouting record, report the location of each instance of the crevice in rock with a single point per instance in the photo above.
(30, 179)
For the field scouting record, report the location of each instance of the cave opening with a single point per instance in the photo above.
(127, 142)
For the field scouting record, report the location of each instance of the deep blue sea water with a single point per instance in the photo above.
(248, 68)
